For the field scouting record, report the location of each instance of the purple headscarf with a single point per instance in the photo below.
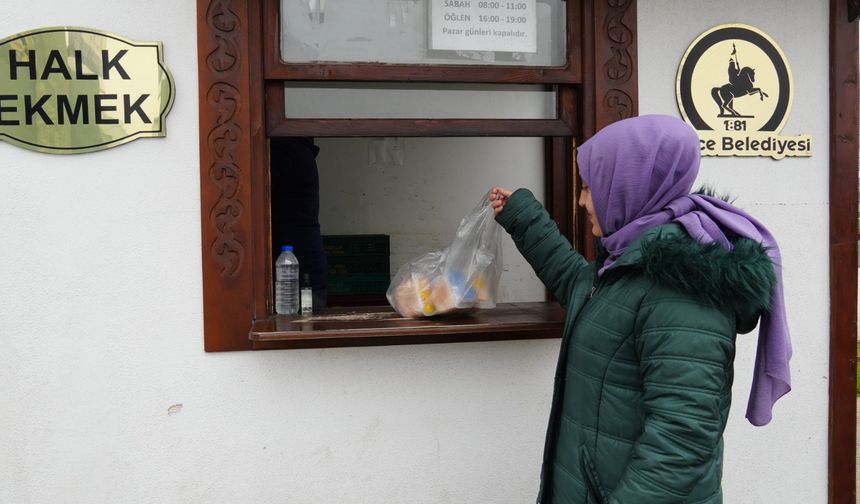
(641, 171)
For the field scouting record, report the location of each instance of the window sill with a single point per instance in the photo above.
(380, 325)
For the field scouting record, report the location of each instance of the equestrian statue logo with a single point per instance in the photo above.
(741, 83)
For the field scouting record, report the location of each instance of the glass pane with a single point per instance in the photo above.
(416, 191)
(338, 100)
(429, 32)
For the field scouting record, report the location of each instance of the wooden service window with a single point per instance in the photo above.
(264, 63)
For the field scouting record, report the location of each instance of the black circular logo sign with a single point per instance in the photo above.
(734, 85)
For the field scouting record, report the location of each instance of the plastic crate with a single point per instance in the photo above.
(354, 264)
(366, 283)
(353, 245)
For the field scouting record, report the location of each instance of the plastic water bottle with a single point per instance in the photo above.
(286, 282)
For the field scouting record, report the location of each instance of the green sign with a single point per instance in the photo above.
(71, 90)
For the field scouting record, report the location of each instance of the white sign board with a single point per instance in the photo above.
(483, 25)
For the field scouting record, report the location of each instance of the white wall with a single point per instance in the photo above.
(787, 460)
(107, 395)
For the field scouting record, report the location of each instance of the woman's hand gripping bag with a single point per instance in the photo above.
(461, 278)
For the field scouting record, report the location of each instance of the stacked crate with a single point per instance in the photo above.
(358, 269)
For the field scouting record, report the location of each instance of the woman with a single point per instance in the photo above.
(643, 384)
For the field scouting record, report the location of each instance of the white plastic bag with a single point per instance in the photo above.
(462, 277)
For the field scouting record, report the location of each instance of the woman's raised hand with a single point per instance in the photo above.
(498, 197)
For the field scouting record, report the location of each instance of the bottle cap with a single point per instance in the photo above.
(286, 248)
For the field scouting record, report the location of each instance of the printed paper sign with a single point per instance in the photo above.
(483, 25)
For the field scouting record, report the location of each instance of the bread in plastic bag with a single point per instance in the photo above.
(461, 278)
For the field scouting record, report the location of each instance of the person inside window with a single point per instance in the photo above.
(644, 378)
(295, 189)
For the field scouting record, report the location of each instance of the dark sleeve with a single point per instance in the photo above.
(537, 237)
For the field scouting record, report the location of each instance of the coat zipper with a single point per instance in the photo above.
(598, 283)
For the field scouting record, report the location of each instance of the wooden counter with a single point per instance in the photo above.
(381, 325)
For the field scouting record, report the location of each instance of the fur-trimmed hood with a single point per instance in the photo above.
(741, 279)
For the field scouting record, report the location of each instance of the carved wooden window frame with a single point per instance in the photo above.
(233, 157)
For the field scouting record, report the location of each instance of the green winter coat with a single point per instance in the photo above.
(644, 378)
